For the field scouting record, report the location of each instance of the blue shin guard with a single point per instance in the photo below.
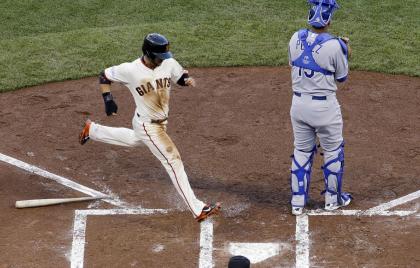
(302, 176)
(333, 171)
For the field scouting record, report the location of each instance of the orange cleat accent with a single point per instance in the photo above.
(84, 135)
(209, 210)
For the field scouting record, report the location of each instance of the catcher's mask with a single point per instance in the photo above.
(321, 12)
(156, 47)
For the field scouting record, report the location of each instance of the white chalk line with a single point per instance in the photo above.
(320, 212)
(206, 244)
(302, 226)
(79, 229)
(79, 233)
(123, 211)
(395, 202)
(302, 241)
(59, 179)
(79, 239)
(302, 222)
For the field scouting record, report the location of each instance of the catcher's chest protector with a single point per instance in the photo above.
(306, 59)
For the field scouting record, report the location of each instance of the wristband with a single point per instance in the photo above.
(107, 96)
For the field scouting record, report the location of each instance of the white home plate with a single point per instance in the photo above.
(255, 252)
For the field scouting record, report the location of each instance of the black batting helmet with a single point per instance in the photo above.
(239, 262)
(156, 46)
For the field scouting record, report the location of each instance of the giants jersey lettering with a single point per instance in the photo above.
(150, 88)
(328, 55)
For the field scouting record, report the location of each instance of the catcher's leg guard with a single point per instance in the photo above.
(301, 177)
(333, 175)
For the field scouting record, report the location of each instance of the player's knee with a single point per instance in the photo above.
(331, 146)
(305, 147)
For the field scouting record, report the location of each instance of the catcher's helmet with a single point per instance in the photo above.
(321, 12)
(156, 46)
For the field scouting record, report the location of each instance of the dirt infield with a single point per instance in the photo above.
(234, 134)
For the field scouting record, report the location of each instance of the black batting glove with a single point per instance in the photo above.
(110, 105)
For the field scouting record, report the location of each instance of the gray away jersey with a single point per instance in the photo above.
(328, 55)
(150, 88)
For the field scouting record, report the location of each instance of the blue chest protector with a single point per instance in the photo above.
(306, 59)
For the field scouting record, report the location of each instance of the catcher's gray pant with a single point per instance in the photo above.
(312, 118)
(154, 136)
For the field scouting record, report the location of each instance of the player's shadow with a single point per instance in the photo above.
(257, 192)
(314, 204)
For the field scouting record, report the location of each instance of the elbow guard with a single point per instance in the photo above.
(182, 79)
(103, 79)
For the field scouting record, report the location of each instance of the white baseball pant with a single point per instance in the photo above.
(312, 118)
(154, 136)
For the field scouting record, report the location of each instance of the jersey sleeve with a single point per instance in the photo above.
(118, 73)
(293, 46)
(341, 65)
(176, 70)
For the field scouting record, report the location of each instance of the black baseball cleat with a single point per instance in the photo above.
(209, 210)
(84, 135)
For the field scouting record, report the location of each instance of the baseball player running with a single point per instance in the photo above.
(318, 61)
(149, 80)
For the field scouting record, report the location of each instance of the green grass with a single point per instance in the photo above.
(51, 40)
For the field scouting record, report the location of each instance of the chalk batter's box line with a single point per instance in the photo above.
(80, 223)
(302, 228)
(302, 223)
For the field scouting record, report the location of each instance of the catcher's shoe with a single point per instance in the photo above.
(346, 199)
(208, 210)
(297, 211)
(84, 135)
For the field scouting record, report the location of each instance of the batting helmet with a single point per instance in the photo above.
(239, 262)
(321, 12)
(156, 46)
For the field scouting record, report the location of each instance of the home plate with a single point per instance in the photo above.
(255, 252)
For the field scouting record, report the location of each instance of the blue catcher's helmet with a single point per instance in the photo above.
(321, 12)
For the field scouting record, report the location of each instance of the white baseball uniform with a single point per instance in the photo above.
(315, 112)
(151, 90)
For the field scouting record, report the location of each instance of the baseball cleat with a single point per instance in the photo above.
(334, 206)
(297, 211)
(84, 135)
(209, 210)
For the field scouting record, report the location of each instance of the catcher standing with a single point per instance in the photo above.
(318, 61)
(149, 80)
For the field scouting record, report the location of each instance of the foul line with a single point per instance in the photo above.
(400, 213)
(61, 180)
(79, 233)
(394, 203)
